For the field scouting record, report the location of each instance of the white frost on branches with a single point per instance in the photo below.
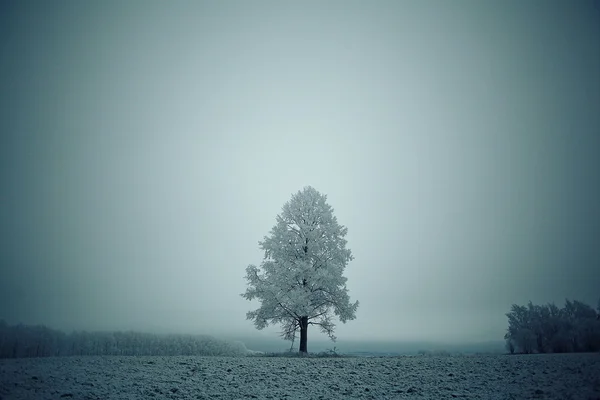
(301, 274)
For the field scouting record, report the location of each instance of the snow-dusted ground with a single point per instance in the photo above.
(560, 376)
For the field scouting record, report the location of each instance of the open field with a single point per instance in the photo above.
(550, 376)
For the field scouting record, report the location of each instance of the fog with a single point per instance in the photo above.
(146, 148)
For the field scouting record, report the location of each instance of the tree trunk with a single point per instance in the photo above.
(303, 335)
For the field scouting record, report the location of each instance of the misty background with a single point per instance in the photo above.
(146, 148)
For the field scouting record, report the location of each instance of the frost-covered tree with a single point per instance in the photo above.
(300, 281)
(548, 328)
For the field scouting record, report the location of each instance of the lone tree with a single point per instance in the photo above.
(300, 282)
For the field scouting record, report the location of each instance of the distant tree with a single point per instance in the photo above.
(510, 346)
(554, 329)
(40, 341)
(580, 319)
(535, 328)
(518, 320)
(300, 281)
(536, 325)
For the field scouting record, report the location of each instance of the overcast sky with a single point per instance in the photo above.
(147, 147)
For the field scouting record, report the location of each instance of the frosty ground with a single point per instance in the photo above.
(547, 376)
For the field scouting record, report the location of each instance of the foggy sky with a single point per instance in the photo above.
(147, 147)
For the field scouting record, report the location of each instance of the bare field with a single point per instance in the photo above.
(549, 376)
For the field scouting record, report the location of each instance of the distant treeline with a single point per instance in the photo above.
(550, 329)
(40, 341)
